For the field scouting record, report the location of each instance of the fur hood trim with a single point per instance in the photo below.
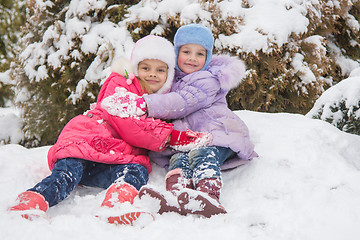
(228, 69)
(122, 66)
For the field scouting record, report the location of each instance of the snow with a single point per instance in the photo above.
(10, 126)
(300, 66)
(266, 22)
(304, 185)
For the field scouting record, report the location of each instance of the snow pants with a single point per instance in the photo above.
(69, 172)
(201, 163)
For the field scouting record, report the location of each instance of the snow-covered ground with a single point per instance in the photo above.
(305, 185)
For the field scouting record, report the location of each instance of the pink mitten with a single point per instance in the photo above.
(124, 104)
(141, 104)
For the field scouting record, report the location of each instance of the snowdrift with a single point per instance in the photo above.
(305, 185)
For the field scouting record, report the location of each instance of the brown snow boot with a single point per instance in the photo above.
(174, 182)
(205, 200)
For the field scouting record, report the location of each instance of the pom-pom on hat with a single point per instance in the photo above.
(196, 34)
(155, 47)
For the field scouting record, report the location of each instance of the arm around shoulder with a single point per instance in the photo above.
(198, 93)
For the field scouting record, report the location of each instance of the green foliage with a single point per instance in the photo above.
(342, 117)
(11, 19)
(50, 102)
(274, 85)
(271, 85)
(273, 82)
(116, 13)
(5, 93)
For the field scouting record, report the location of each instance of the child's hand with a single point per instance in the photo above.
(124, 104)
(188, 140)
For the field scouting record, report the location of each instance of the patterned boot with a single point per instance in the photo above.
(174, 183)
(205, 200)
(118, 208)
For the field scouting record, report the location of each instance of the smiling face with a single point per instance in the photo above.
(153, 72)
(191, 58)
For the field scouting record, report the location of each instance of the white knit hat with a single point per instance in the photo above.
(155, 47)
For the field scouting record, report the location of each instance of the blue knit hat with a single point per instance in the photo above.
(196, 34)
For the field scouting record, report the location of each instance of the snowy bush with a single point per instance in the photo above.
(340, 105)
(67, 50)
(11, 18)
(5, 88)
(294, 50)
(10, 126)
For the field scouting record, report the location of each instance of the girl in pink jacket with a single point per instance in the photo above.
(105, 148)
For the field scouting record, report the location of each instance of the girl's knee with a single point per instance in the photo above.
(134, 174)
(74, 166)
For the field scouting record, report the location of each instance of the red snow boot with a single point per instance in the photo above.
(118, 208)
(174, 182)
(205, 200)
(119, 193)
(30, 204)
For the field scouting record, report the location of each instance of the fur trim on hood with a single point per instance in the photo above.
(228, 69)
(122, 66)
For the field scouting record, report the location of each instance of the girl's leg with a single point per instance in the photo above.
(181, 160)
(65, 176)
(178, 177)
(180, 174)
(103, 175)
(205, 162)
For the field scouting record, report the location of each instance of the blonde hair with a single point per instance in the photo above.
(123, 66)
(145, 86)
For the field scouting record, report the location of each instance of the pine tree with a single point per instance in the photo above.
(66, 51)
(289, 78)
(340, 106)
(11, 18)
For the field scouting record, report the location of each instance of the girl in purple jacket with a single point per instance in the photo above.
(197, 101)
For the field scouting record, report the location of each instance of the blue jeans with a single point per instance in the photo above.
(69, 172)
(201, 163)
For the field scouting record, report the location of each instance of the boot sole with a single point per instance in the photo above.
(30, 214)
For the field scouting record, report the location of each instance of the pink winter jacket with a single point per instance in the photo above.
(101, 137)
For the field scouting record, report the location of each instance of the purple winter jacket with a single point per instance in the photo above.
(198, 101)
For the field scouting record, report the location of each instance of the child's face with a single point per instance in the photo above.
(191, 58)
(154, 72)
